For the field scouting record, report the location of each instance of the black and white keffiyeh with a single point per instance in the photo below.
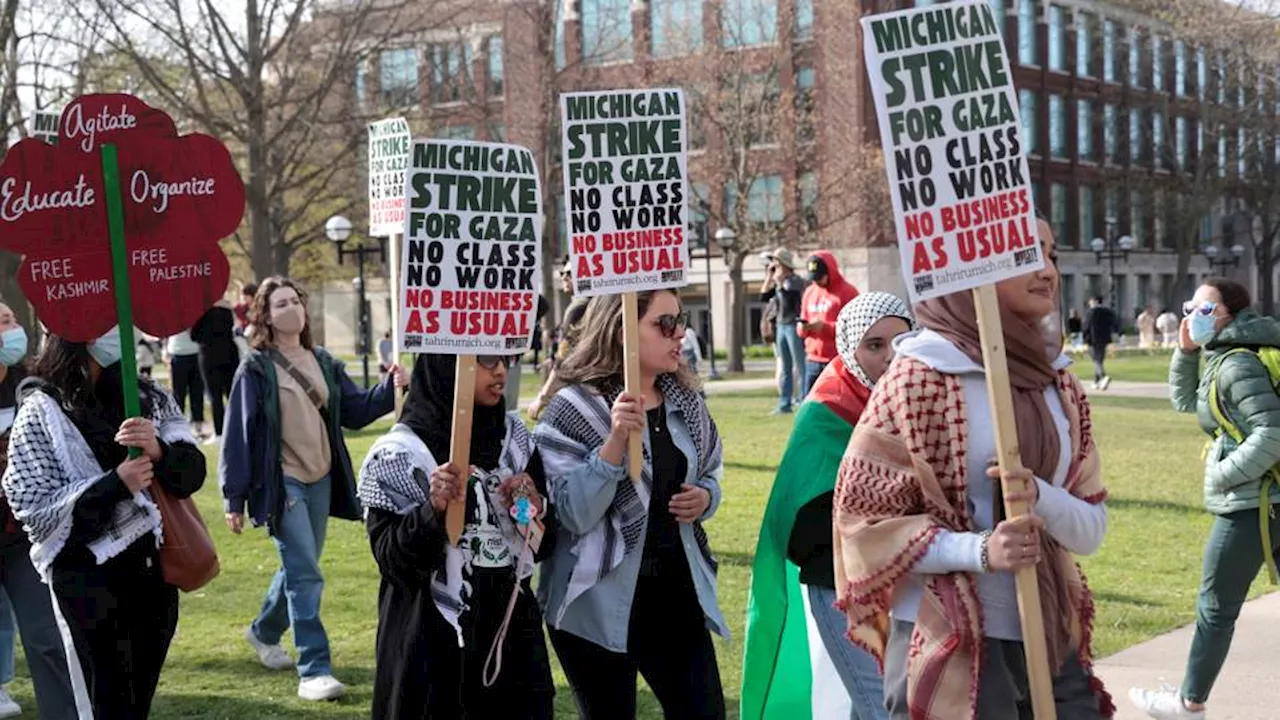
(51, 466)
(856, 319)
(574, 424)
(395, 477)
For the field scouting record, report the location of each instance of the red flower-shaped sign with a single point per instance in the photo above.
(180, 196)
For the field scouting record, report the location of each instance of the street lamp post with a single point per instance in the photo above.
(338, 230)
(1210, 253)
(1114, 247)
(725, 238)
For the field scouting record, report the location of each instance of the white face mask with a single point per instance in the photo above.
(106, 349)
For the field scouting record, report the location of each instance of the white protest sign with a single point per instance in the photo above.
(472, 248)
(954, 148)
(44, 126)
(388, 159)
(625, 167)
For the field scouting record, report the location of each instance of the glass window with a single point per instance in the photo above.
(1057, 39)
(1159, 222)
(1158, 149)
(1027, 103)
(1222, 151)
(997, 9)
(804, 19)
(1180, 68)
(807, 189)
(1206, 228)
(1084, 129)
(757, 95)
(1058, 209)
(1135, 58)
(497, 132)
(1112, 204)
(764, 200)
(606, 31)
(460, 132)
(1138, 219)
(497, 84)
(360, 86)
(806, 105)
(1027, 32)
(1085, 209)
(1085, 65)
(1135, 136)
(1220, 77)
(450, 72)
(398, 77)
(1157, 62)
(747, 22)
(1109, 49)
(1241, 153)
(1110, 132)
(1202, 73)
(675, 27)
(1181, 141)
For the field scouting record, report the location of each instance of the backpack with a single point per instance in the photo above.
(1270, 359)
(769, 320)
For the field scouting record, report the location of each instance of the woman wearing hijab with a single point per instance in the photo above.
(93, 527)
(631, 585)
(790, 608)
(442, 609)
(926, 558)
(285, 458)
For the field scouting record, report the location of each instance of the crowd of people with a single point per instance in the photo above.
(883, 579)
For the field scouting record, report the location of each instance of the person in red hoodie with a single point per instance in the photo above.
(826, 296)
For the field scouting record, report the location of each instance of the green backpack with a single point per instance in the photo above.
(1270, 358)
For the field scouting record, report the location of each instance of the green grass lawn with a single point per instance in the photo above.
(1144, 579)
(1127, 368)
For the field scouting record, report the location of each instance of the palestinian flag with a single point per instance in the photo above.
(778, 678)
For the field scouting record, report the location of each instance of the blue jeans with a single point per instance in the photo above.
(857, 669)
(294, 595)
(812, 369)
(8, 634)
(790, 350)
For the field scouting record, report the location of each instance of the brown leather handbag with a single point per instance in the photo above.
(187, 554)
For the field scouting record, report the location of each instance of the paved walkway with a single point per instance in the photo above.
(1246, 689)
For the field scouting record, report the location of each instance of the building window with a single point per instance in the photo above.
(606, 31)
(997, 9)
(1110, 132)
(1085, 209)
(1135, 136)
(450, 72)
(1202, 74)
(1135, 58)
(1157, 63)
(1109, 49)
(764, 201)
(804, 19)
(1058, 210)
(1158, 149)
(1138, 219)
(398, 78)
(744, 23)
(1221, 78)
(806, 105)
(1085, 65)
(1181, 141)
(1180, 68)
(1027, 32)
(1027, 103)
(1084, 130)
(497, 132)
(497, 84)
(1222, 151)
(757, 123)
(1057, 39)
(360, 86)
(807, 190)
(1241, 154)
(1057, 127)
(675, 27)
(1206, 228)
(460, 132)
(1112, 205)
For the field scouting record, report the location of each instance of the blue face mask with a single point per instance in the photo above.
(1203, 328)
(13, 345)
(106, 349)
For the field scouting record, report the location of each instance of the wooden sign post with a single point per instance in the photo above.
(631, 350)
(962, 203)
(389, 142)
(468, 268)
(395, 247)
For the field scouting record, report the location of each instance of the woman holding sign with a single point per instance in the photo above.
(443, 611)
(285, 459)
(631, 584)
(92, 524)
(924, 554)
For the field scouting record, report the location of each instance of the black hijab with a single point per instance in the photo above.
(428, 411)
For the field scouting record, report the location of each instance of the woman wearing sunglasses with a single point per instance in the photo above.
(1220, 327)
(459, 632)
(631, 584)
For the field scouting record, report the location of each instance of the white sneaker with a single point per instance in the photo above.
(8, 708)
(1163, 704)
(273, 657)
(1106, 382)
(321, 687)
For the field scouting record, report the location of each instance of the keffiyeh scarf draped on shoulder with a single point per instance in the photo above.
(902, 480)
(51, 466)
(573, 426)
(395, 477)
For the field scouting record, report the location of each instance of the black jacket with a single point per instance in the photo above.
(1100, 326)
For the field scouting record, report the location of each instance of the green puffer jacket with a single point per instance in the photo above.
(1233, 474)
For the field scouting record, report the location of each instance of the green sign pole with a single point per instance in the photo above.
(120, 282)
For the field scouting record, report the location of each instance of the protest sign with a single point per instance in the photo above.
(471, 265)
(959, 180)
(388, 159)
(625, 167)
(44, 127)
(954, 148)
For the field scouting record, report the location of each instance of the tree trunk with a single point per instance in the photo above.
(260, 234)
(737, 324)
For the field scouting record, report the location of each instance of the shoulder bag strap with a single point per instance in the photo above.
(307, 386)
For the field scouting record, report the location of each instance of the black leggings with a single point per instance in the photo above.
(217, 380)
(1098, 353)
(187, 382)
